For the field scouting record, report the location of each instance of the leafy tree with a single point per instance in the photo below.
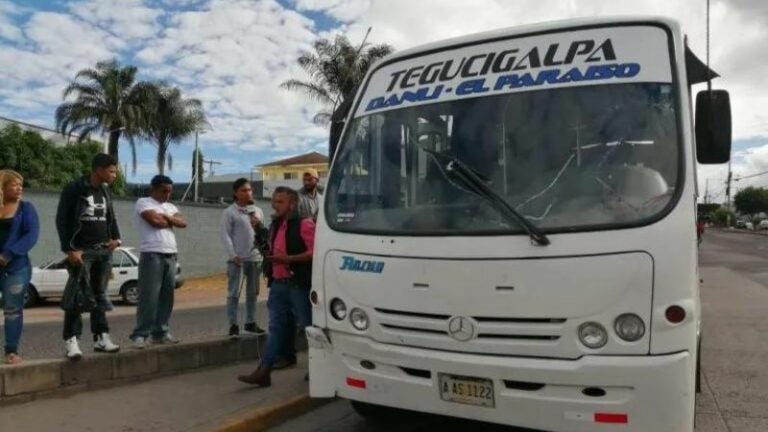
(107, 99)
(721, 216)
(336, 69)
(751, 200)
(171, 119)
(43, 164)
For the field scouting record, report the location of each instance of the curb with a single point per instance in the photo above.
(738, 231)
(40, 378)
(261, 419)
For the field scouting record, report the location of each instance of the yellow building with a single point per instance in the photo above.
(293, 168)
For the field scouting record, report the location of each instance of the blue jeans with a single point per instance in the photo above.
(288, 306)
(14, 287)
(251, 271)
(157, 280)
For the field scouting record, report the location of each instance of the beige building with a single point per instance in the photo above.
(289, 171)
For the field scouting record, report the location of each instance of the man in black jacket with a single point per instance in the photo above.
(290, 279)
(88, 234)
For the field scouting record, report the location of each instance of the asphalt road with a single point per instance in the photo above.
(739, 250)
(744, 253)
(44, 339)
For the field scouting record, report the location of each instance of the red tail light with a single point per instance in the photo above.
(616, 418)
(356, 383)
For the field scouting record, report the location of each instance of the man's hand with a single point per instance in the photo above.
(280, 259)
(75, 257)
(113, 244)
(254, 220)
(3, 261)
(237, 261)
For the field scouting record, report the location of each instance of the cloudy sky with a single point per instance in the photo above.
(232, 55)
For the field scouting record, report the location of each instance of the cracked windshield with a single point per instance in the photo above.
(568, 159)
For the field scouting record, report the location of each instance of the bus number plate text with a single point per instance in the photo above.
(467, 390)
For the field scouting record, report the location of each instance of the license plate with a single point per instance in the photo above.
(466, 390)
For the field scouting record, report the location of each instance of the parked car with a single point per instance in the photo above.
(763, 224)
(49, 279)
(749, 226)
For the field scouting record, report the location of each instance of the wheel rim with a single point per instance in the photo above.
(132, 294)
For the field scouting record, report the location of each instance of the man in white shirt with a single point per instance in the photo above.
(243, 260)
(156, 218)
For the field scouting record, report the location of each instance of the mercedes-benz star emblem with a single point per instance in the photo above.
(461, 328)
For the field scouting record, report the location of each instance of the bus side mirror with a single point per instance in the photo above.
(713, 126)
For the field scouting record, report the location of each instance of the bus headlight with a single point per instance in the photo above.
(359, 319)
(629, 327)
(338, 309)
(593, 335)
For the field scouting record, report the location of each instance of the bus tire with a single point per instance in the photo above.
(698, 366)
(375, 413)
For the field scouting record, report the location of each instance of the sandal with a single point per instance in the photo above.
(13, 359)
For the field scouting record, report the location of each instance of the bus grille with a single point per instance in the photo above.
(501, 335)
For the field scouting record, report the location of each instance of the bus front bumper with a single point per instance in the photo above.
(626, 393)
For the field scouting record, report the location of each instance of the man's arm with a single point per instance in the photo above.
(64, 216)
(176, 220)
(156, 219)
(225, 232)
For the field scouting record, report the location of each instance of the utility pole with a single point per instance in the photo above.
(211, 163)
(706, 191)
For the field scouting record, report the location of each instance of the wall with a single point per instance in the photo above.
(200, 251)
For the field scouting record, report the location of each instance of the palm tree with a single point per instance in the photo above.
(171, 119)
(108, 99)
(335, 69)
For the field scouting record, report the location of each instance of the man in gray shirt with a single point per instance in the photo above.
(243, 261)
(309, 195)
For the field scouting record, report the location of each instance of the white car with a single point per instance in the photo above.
(763, 224)
(48, 280)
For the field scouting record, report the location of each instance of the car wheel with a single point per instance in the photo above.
(31, 297)
(130, 293)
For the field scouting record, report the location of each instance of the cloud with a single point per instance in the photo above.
(131, 21)
(8, 29)
(341, 10)
(233, 55)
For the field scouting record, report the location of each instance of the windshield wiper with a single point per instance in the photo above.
(474, 183)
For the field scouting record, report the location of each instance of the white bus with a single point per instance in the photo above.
(508, 232)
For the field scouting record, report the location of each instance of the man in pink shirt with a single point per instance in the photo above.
(289, 272)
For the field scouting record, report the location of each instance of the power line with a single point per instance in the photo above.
(750, 176)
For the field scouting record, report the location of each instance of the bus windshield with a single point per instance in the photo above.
(567, 159)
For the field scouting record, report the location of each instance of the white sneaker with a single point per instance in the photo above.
(139, 342)
(104, 344)
(73, 349)
(167, 339)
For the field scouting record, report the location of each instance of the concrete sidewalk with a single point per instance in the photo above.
(199, 401)
(734, 354)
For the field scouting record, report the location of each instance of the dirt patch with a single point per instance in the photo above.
(210, 287)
